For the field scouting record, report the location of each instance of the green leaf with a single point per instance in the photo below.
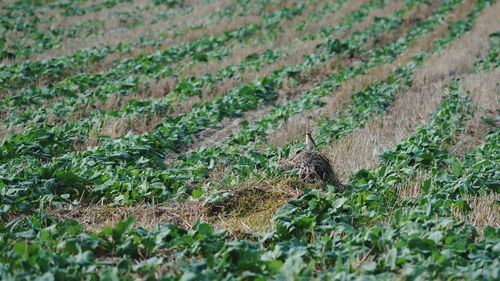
(197, 193)
(491, 233)
(390, 259)
(109, 274)
(369, 266)
(436, 236)
(457, 168)
(426, 185)
(21, 248)
(122, 227)
(339, 202)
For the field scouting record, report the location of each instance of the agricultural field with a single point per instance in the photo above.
(167, 140)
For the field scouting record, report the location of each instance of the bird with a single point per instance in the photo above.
(310, 143)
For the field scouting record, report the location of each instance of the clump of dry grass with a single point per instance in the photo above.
(411, 188)
(484, 210)
(95, 217)
(251, 206)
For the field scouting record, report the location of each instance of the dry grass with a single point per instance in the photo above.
(95, 217)
(411, 188)
(484, 89)
(361, 148)
(250, 209)
(462, 54)
(254, 205)
(484, 211)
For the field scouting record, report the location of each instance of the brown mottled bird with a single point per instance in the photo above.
(310, 143)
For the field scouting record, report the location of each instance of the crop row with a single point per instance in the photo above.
(421, 238)
(117, 78)
(246, 161)
(52, 68)
(57, 67)
(374, 98)
(64, 108)
(322, 233)
(188, 86)
(148, 182)
(53, 37)
(22, 16)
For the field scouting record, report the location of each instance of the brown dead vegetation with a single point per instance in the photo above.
(244, 209)
(484, 211)
(484, 89)
(411, 188)
(361, 148)
(95, 217)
